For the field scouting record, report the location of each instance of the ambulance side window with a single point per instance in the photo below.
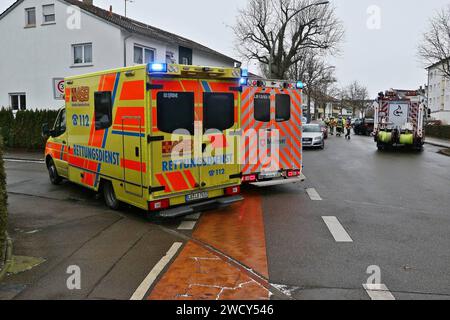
(175, 111)
(262, 107)
(283, 107)
(103, 110)
(60, 124)
(218, 111)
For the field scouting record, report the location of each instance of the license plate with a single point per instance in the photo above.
(269, 175)
(197, 196)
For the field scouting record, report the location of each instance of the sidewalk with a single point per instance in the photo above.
(438, 142)
(23, 155)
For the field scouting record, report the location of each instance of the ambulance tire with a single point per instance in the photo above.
(55, 179)
(110, 196)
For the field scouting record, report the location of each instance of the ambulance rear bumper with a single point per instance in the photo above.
(278, 182)
(200, 206)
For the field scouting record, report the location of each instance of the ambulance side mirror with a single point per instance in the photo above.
(45, 130)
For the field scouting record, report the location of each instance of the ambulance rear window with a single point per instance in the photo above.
(218, 111)
(283, 107)
(262, 107)
(175, 111)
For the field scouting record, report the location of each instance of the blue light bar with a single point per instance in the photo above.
(157, 67)
(243, 81)
(300, 85)
(244, 73)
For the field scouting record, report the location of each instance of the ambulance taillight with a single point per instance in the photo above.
(293, 173)
(249, 178)
(159, 205)
(231, 191)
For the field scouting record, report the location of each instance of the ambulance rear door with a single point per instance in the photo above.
(174, 107)
(221, 123)
(256, 125)
(286, 120)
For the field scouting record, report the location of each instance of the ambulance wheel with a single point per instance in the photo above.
(110, 196)
(53, 173)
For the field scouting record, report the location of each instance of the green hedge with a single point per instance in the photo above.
(24, 130)
(3, 205)
(442, 132)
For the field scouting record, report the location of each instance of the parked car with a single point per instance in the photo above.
(364, 126)
(313, 136)
(324, 128)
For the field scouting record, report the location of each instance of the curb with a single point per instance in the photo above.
(436, 144)
(24, 160)
(8, 258)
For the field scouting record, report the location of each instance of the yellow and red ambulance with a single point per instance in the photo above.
(161, 137)
(271, 117)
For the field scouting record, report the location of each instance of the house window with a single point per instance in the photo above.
(48, 13)
(82, 54)
(143, 55)
(30, 17)
(18, 101)
(185, 55)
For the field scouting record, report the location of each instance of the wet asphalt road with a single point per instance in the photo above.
(393, 205)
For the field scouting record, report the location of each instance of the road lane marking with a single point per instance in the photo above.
(378, 292)
(337, 230)
(187, 225)
(140, 292)
(194, 216)
(313, 194)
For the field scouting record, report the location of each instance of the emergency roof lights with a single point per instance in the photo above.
(244, 73)
(157, 67)
(300, 85)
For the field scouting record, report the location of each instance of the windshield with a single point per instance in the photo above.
(310, 128)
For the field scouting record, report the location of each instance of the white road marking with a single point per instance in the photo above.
(187, 225)
(141, 291)
(25, 161)
(194, 216)
(337, 230)
(378, 292)
(313, 194)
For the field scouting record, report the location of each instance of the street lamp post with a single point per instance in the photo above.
(130, 1)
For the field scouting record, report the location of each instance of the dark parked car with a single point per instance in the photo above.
(364, 126)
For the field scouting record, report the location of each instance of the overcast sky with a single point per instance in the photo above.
(380, 57)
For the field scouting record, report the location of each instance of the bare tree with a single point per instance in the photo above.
(273, 32)
(435, 47)
(356, 96)
(315, 73)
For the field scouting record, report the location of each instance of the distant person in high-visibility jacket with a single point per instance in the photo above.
(332, 125)
(340, 126)
(348, 127)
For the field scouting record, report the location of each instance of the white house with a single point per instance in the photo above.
(44, 41)
(438, 94)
